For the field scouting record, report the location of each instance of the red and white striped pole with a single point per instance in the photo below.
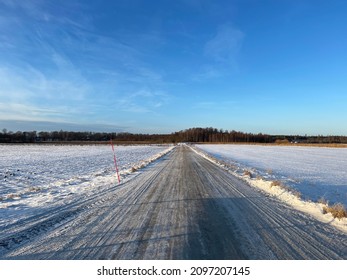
(115, 161)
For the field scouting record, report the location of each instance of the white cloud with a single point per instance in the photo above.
(222, 52)
(143, 101)
(60, 67)
(27, 112)
(31, 125)
(225, 45)
(29, 83)
(28, 94)
(208, 72)
(71, 13)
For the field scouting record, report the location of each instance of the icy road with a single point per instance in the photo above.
(181, 207)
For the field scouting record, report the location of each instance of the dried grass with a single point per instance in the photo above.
(276, 183)
(259, 177)
(12, 196)
(34, 189)
(337, 210)
(286, 188)
(296, 193)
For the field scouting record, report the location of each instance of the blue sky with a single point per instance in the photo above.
(270, 66)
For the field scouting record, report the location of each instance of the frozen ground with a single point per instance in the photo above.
(315, 172)
(35, 178)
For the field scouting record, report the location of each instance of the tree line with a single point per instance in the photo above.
(193, 135)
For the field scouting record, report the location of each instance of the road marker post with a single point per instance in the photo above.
(115, 161)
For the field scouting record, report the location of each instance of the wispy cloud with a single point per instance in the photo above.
(49, 11)
(27, 112)
(30, 94)
(61, 66)
(25, 125)
(143, 101)
(209, 71)
(222, 52)
(225, 45)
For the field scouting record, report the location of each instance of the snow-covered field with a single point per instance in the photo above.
(35, 177)
(313, 171)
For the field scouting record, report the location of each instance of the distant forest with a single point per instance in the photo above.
(193, 135)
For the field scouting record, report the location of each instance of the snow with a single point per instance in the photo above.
(36, 177)
(308, 174)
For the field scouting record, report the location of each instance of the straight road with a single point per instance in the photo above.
(182, 207)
